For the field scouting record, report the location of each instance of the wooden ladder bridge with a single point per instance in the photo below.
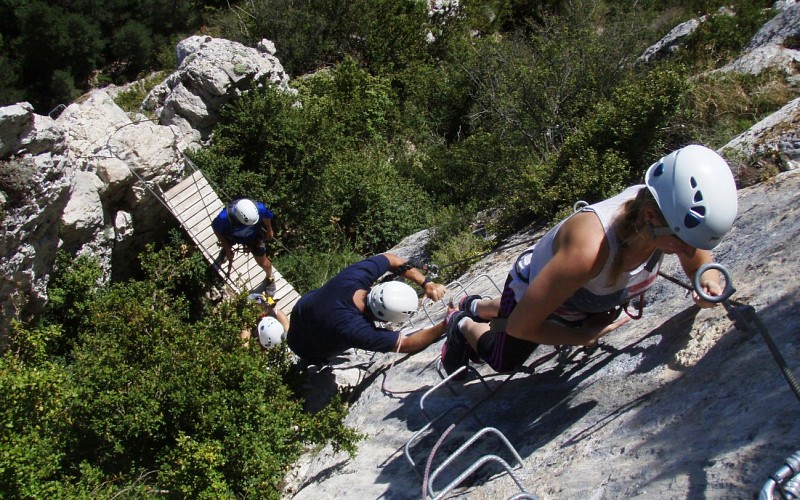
(194, 204)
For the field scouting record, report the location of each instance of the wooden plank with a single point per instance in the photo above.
(190, 197)
(195, 205)
(190, 183)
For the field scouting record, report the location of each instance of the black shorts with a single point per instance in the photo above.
(500, 350)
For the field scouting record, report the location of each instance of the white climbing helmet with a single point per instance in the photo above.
(246, 212)
(392, 301)
(695, 190)
(270, 332)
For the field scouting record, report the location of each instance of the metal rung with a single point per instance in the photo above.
(484, 459)
(446, 383)
(477, 464)
(463, 289)
(416, 436)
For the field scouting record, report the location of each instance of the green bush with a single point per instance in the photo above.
(133, 43)
(307, 270)
(453, 245)
(131, 98)
(148, 399)
(328, 142)
(34, 408)
(180, 270)
(610, 150)
(365, 202)
(73, 285)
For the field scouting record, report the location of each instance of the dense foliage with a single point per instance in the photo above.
(51, 51)
(518, 108)
(127, 394)
(492, 116)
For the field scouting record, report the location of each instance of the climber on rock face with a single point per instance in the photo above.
(569, 288)
(246, 222)
(342, 313)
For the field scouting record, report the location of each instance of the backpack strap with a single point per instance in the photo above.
(229, 210)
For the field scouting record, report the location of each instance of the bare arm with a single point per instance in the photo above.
(581, 251)
(710, 279)
(267, 223)
(433, 291)
(282, 318)
(419, 340)
(226, 245)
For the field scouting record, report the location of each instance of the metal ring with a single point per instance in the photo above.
(726, 293)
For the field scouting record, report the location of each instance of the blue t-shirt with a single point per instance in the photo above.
(239, 233)
(326, 322)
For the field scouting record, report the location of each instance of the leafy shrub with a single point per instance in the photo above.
(34, 406)
(133, 43)
(180, 270)
(147, 399)
(453, 245)
(458, 254)
(363, 199)
(273, 146)
(608, 151)
(308, 270)
(131, 98)
(73, 285)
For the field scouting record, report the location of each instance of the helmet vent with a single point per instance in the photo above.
(659, 169)
(693, 182)
(692, 219)
(698, 197)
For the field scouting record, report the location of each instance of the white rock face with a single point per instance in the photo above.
(671, 41)
(776, 133)
(95, 168)
(29, 238)
(211, 72)
(766, 50)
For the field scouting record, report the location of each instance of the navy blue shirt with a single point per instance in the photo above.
(326, 322)
(239, 233)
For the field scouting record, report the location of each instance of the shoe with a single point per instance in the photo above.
(465, 304)
(455, 350)
(269, 285)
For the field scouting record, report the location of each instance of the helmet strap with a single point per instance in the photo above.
(659, 231)
(231, 215)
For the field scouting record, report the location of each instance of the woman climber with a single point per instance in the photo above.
(567, 289)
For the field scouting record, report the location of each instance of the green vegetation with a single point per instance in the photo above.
(510, 109)
(51, 51)
(121, 392)
(131, 98)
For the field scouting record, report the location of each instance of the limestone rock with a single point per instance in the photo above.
(211, 72)
(766, 49)
(776, 134)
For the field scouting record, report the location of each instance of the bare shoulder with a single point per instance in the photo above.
(582, 241)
